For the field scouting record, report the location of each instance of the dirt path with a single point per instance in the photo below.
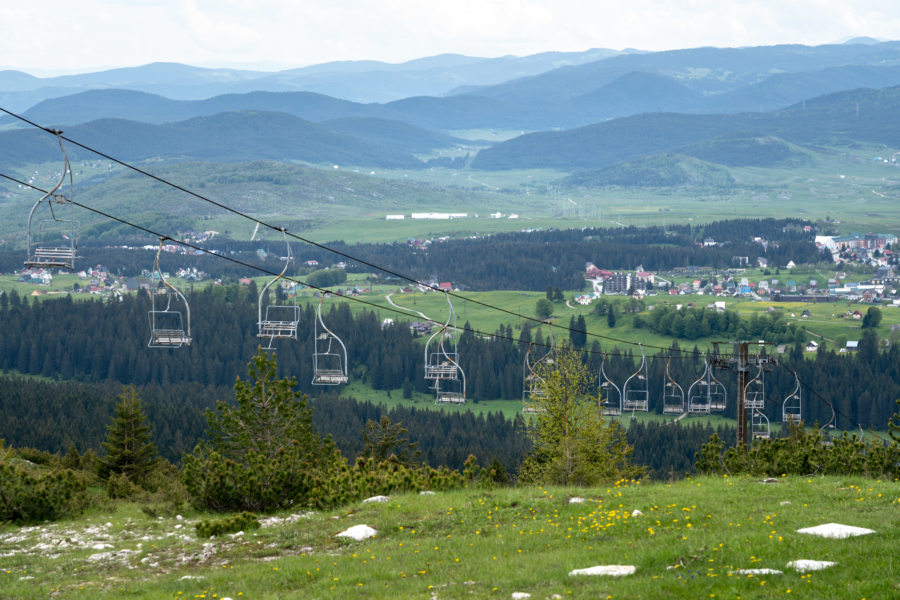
(392, 303)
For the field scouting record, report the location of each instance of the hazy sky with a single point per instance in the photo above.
(56, 36)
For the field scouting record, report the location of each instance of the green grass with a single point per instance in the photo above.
(478, 543)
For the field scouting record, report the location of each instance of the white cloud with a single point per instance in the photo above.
(90, 34)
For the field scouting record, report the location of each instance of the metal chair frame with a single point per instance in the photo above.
(277, 321)
(443, 365)
(637, 397)
(673, 394)
(610, 408)
(53, 255)
(329, 354)
(169, 328)
(792, 407)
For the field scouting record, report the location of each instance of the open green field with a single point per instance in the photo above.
(697, 538)
(844, 184)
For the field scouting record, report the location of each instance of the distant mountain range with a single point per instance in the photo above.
(359, 81)
(746, 139)
(591, 87)
(723, 106)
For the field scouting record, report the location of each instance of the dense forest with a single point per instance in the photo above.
(87, 350)
(98, 341)
(53, 416)
(519, 261)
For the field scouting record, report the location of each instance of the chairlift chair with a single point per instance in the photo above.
(442, 364)
(791, 409)
(610, 394)
(673, 394)
(699, 392)
(51, 242)
(755, 391)
(169, 327)
(329, 354)
(636, 390)
(277, 321)
(759, 425)
(532, 383)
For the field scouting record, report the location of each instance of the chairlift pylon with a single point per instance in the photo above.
(673, 394)
(329, 354)
(51, 242)
(636, 389)
(169, 327)
(791, 409)
(610, 394)
(442, 365)
(277, 321)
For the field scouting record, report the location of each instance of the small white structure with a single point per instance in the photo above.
(395, 217)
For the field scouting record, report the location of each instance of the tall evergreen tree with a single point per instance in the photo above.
(573, 444)
(129, 446)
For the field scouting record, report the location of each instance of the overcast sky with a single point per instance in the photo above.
(63, 36)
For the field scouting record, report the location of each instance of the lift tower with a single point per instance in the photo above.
(741, 360)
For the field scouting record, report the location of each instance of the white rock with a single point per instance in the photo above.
(376, 499)
(190, 577)
(785, 502)
(520, 596)
(426, 493)
(179, 526)
(613, 570)
(576, 500)
(236, 535)
(835, 530)
(101, 546)
(636, 513)
(758, 572)
(804, 565)
(358, 532)
(179, 518)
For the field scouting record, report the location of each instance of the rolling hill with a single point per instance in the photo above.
(866, 115)
(235, 136)
(662, 170)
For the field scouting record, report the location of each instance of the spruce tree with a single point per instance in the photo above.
(129, 446)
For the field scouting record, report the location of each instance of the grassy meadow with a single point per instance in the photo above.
(690, 539)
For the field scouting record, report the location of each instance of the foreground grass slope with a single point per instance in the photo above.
(487, 543)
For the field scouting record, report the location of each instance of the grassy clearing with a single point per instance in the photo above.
(478, 543)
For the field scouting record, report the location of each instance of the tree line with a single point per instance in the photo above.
(520, 261)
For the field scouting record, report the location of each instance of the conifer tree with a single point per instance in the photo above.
(573, 443)
(263, 453)
(383, 439)
(129, 446)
